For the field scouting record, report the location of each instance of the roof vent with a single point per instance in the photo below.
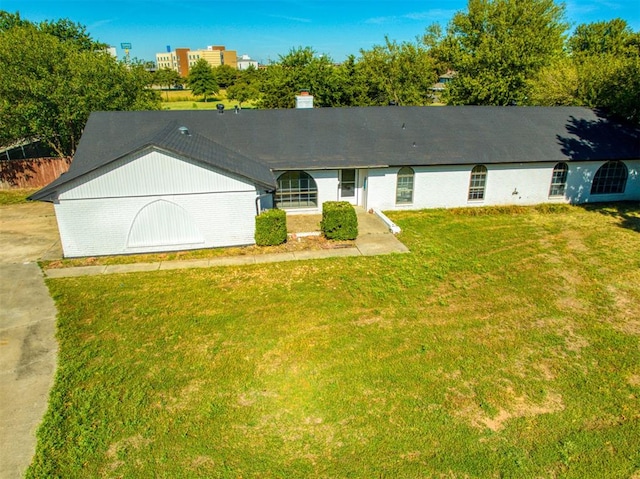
(220, 107)
(184, 131)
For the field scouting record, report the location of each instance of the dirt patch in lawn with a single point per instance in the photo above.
(118, 448)
(521, 406)
(183, 400)
(512, 406)
(627, 320)
(574, 241)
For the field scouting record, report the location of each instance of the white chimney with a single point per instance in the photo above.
(304, 100)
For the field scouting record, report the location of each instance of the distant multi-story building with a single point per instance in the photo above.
(173, 60)
(182, 59)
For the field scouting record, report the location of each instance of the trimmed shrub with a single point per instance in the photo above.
(339, 220)
(271, 228)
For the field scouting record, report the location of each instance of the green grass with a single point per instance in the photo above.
(184, 100)
(504, 345)
(15, 196)
(210, 104)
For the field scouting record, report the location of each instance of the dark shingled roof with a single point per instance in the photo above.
(254, 143)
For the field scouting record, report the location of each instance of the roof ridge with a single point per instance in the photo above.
(197, 146)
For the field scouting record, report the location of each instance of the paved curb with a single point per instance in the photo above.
(368, 245)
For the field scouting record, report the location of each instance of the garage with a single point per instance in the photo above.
(174, 192)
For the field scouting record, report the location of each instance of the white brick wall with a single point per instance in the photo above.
(447, 187)
(223, 207)
(96, 212)
(96, 227)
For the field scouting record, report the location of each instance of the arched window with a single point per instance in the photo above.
(296, 189)
(478, 182)
(559, 180)
(610, 178)
(404, 186)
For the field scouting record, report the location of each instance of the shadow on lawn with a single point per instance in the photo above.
(628, 212)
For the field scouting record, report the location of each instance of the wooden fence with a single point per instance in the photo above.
(32, 173)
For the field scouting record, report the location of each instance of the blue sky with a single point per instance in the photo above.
(266, 29)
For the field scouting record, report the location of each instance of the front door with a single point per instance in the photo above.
(347, 188)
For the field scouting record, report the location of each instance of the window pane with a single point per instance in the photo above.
(404, 186)
(347, 183)
(477, 182)
(558, 180)
(296, 189)
(610, 178)
(349, 175)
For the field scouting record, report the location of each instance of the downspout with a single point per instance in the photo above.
(264, 195)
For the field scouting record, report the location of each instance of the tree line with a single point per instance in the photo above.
(501, 52)
(54, 75)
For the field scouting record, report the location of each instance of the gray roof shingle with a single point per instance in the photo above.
(254, 143)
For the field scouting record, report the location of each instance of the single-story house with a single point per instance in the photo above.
(148, 181)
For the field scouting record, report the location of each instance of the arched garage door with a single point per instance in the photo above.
(163, 223)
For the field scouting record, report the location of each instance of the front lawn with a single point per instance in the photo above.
(504, 345)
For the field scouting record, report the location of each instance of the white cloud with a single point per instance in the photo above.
(100, 23)
(575, 8)
(292, 19)
(433, 15)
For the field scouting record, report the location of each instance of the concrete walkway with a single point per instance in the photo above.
(28, 348)
(374, 239)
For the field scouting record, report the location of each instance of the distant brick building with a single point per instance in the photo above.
(182, 59)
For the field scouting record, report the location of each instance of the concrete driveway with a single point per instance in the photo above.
(28, 348)
(28, 232)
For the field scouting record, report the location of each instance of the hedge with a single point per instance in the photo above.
(339, 220)
(271, 228)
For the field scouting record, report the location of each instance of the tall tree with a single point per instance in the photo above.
(246, 86)
(613, 37)
(71, 32)
(398, 73)
(300, 69)
(9, 20)
(351, 84)
(498, 45)
(50, 84)
(607, 57)
(201, 80)
(556, 84)
(166, 77)
(225, 75)
(601, 69)
(242, 92)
